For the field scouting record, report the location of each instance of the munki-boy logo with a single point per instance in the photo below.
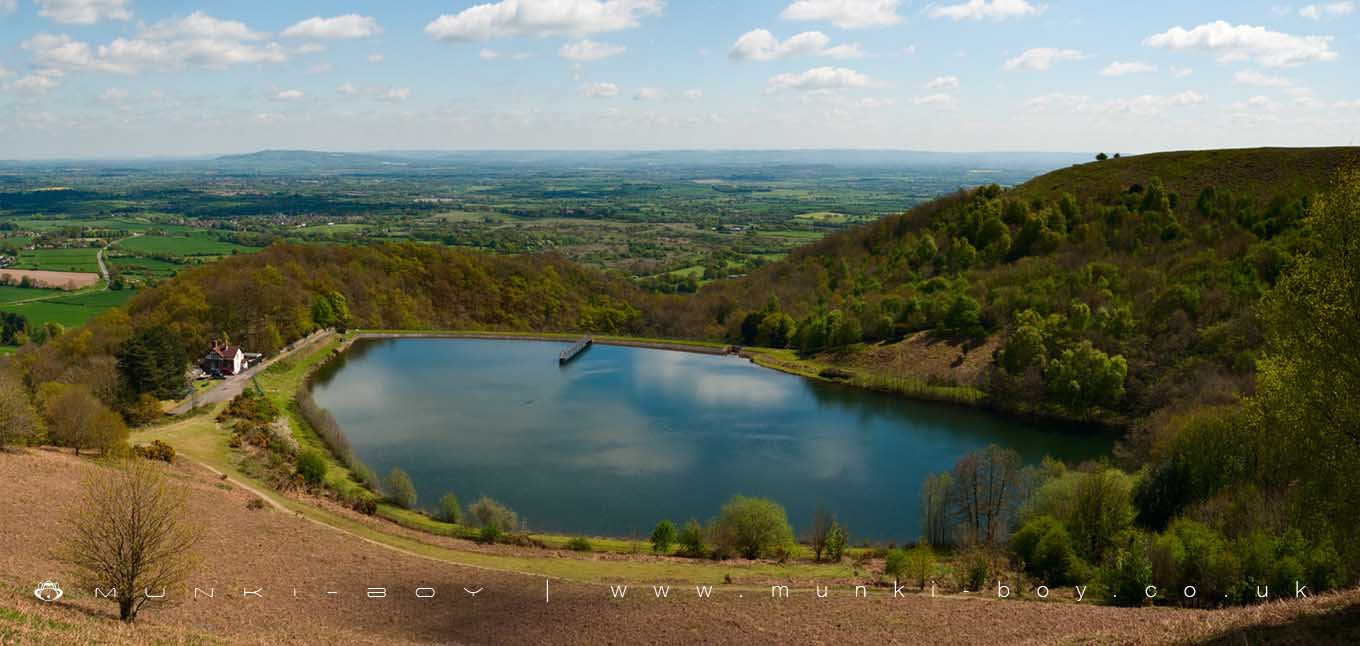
(48, 591)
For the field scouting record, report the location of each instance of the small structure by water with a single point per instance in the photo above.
(575, 350)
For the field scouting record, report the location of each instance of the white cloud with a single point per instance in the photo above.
(649, 94)
(1334, 10)
(1236, 43)
(939, 100)
(692, 95)
(375, 58)
(510, 18)
(320, 68)
(1251, 77)
(394, 95)
(820, 78)
(288, 95)
(846, 14)
(347, 26)
(761, 45)
(114, 95)
(1142, 106)
(195, 40)
(588, 50)
(943, 83)
(1118, 68)
(871, 103)
(985, 9)
(40, 82)
(7, 6)
(1181, 72)
(83, 12)
(599, 90)
(1040, 59)
(347, 89)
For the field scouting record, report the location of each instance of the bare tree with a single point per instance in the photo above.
(822, 520)
(128, 535)
(987, 488)
(76, 418)
(935, 494)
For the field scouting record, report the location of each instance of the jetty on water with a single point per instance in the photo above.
(575, 350)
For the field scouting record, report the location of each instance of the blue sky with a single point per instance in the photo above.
(120, 78)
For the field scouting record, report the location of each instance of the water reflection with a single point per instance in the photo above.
(625, 436)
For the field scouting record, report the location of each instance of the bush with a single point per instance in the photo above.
(1044, 549)
(311, 466)
(977, 569)
(691, 540)
(895, 563)
(1126, 574)
(920, 564)
(156, 450)
(365, 504)
(400, 490)
(836, 540)
(449, 509)
(489, 534)
(663, 536)
(752, 527)
(579, 544)
(143, 410)
(490, 513)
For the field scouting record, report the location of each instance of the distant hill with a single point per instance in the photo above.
(1257, 173)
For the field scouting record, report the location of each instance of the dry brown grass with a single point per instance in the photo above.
(244, 547)
(928, 359)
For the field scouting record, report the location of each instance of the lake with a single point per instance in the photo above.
(623, 437)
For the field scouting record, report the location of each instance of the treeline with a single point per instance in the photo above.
(129, 358)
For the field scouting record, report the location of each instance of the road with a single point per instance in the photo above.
(229, 388)
(103, 270)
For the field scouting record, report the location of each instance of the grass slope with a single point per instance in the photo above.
(1258, 173)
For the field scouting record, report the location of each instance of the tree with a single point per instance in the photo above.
(776, 330)
(1102, 157)
(399, 488)
(153, 361)
(935, 508)
(818, 529)
(12, 325)
(19, 422)
(490, 513)
(691, 539)
(837, 538)
(987, 488)
(1102, 509)
(311, 466)
(1024, 347)
(752, 527)
(919, 564)
(1083, 377)
(663, 536)
(449, 509)
(76, 419)
(128, 533)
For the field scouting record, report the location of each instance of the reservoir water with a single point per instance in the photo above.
(623, 437)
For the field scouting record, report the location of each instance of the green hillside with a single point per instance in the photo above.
(1255, 173)
(1119, 290)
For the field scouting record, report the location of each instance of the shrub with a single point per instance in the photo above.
(400, 490)
(365, 504)
(449, 509)
(977, 569)
(579, 544)
(920, 563)
(752, 527)
(691, 539)
(895, 563)
(1126, 574)
(156, 450)
(143, 410)
(490, 513)
(489, 534)
(311, 466)
(255, 504)
(1044, 549)
(663, 536)
(836, 540)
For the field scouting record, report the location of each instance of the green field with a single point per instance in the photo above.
(143, 265)
(83, 259)
(14, 294)
(195, 244)
(71, 311)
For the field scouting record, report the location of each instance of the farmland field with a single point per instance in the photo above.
(49, 278)
(196, 244)
(81, 259)
(71, 311)
(10, 294)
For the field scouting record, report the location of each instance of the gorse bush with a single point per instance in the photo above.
(579, 544)
(311, 466)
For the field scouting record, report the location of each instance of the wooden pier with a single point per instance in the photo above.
(575, 350)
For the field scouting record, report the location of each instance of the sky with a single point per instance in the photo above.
(141, 78)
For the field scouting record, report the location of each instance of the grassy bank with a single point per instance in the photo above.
(789, 361)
